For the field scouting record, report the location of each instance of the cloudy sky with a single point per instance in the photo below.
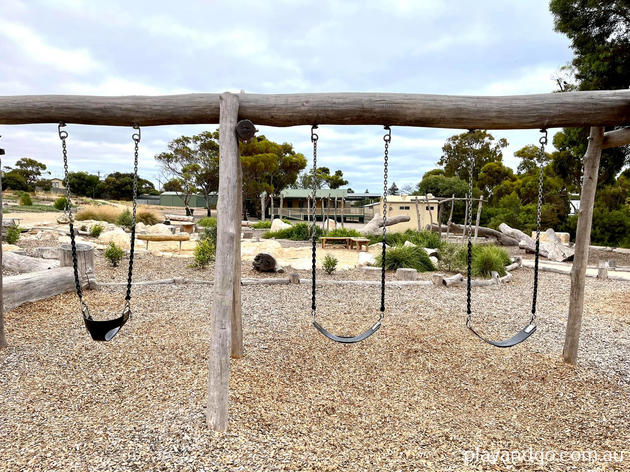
(489, 47)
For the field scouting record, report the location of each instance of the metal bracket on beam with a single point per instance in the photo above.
(245, 130)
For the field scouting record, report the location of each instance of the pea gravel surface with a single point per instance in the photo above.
(421, 394)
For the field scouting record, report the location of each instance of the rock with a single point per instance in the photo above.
(10, 248)
(330, 224)
(409, 244)
(47, 252)
(117, 236)
(406, 274)
(565, 238)
(141, 227)
(431, 251)
(277, 224)
(159, 228)
(378, 245)
(434, 260)
(366, 259)
(47, 236)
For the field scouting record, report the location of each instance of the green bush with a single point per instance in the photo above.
(25, 199)
(344, 233)
(12, 234)
(124, 219)
(262, 225)
(298, 232)
(452, 257)
(409, 257)
(487, 259)
(207, 221)
(96, 231)
(330, 264)
(204, 253)
(419, 238)
(61, 203)
(113, 254)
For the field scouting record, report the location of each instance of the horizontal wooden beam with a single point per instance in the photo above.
(616, 138)
(601, 108)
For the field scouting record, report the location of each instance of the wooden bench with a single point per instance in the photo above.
(164, 237)
(360, 243)
(336, 240)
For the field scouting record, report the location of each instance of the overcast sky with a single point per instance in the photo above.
(500, 47)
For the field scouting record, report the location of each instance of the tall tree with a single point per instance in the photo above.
(458, 149)
(393, 189)
(268, 166)
(83, 184)
(600, 38)
(193, 161)
(323, 179)
(119, 186)
(30, 169)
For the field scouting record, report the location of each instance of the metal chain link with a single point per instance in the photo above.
(136, 141)
(543, 142)
(468, 229)
(63, 135)
(387, 138)
(314, 138)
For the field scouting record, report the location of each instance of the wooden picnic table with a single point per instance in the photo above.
(347, 242)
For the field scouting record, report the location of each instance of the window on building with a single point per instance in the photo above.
(430, 208)
(403, 207)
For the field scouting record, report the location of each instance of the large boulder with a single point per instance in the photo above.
(330, 224)
(159, 229)
(117, 236)
(277, 224)
(366, 259)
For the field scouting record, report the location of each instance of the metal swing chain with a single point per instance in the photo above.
(63, 135)
(314, 138)
(468, 229)
(387, 138)
(543, 141)
(137, 136)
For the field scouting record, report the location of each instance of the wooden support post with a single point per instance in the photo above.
(222, 306)
(430, 213)
(419, 224)
(308, 209)
(465, 223)
(582, 241)
(263, 198)
(439, 215)
(273, 209)
(602, 270)
(281, 206)
(343, 211)
(478, 218)
(336, 213)
(3, 339)
(450, 218)
(321, 200)
(236, 349)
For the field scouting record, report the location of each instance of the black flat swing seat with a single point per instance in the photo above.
(107, 329)
(348, 339)
(518, 338)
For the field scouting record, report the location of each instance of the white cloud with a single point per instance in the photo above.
(117, 86)
(77, 61)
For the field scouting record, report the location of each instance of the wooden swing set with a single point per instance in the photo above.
(596, 110)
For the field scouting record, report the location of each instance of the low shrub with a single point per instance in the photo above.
(25, 199)
(83, 228)
(147, 217)
(124, 219)
(61, 203)
(96, 231)
(408, 257)
(204, 253)
(419, 238)
(12, 234)
(330, 264)
(344, 233)
(98, 213)
(487, 259)
(262, 225)
(113, 254)
(207, 221)
(298, 232)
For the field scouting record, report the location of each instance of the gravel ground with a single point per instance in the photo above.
(414, 396)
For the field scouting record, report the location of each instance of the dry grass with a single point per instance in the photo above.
(148, 217)
(98, 213)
